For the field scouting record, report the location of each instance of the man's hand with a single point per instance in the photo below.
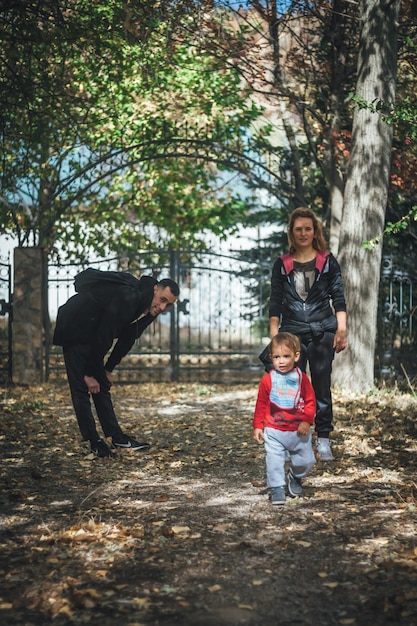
(303, 428)
(92, 385)
(258, 435)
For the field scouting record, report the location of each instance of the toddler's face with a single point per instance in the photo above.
(283, 358)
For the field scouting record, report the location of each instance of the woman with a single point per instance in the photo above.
(307, 300)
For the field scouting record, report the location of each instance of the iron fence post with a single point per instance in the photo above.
(174, 265)
(10, 327)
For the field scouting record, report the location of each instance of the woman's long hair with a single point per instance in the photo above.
(319, 242)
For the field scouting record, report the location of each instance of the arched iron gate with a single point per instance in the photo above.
(213, 335)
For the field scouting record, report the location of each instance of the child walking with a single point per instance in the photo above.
(284, 412)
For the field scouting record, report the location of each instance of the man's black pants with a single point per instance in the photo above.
(75, 361)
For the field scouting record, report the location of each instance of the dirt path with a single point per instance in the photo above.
(185, 534)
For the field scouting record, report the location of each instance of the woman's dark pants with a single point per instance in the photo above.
(319, 352)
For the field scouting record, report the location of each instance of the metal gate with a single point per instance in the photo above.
(397, 333)
(5, 321)
(215, 332)
(219, 325)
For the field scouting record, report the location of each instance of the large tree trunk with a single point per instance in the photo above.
(366, 192)
(339, 75)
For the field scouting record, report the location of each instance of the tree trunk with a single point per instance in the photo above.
(366, 192)
(339, 76)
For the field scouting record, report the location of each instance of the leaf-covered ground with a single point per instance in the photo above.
(185, 534)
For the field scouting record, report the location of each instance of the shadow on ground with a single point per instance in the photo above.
(185, 534)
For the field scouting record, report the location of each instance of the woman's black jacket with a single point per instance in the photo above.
(325, 298)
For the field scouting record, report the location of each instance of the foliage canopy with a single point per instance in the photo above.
(109, 123)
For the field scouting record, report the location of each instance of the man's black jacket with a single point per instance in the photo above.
(107, 307)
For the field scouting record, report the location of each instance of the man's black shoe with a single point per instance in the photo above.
(124, 442)
(100, 449)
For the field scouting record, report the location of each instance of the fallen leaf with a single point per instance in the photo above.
(141, 603)
(84, 537)
(102, 572)
(179, 530)
(88, 603)
(222, 528)
(162, 498)
(169, 590)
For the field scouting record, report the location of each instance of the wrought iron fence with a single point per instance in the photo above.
(213, 335)
(397, 331)
(220, 323)
(5, 321)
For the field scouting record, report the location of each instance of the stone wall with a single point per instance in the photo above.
(28, 344)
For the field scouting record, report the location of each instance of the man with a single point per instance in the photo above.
(108, 306)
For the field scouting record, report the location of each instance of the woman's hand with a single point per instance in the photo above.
(273, 326)
(340, 340)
